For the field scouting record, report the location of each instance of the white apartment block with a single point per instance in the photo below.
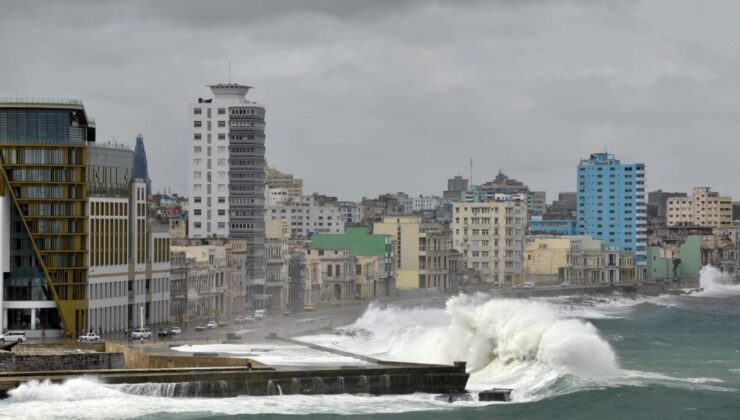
(703, 208)
(429, 202)
(306, 216)
(490, 235)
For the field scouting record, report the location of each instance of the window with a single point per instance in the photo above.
(222, 212)
(197, 136)
(197, 175)
(197, 111)
(196, 212)
(222, 123)
(197, 149)
(222, 136)
(197, 124)
(196, 225)
(221, 111)
(222, 199)
(221, 225)
(222, 149)
(197, 199)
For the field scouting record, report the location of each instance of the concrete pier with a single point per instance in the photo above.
(171, 375)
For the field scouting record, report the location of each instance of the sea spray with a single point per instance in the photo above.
(70, 390)
(525, 344)
(716, 283)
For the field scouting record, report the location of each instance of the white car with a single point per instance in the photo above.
(259, 314)
(176, 331)
(89, 337)
(18, 336)
(211, 325)
(141, 332)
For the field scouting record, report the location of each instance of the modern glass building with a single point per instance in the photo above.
(612, 204)
(43, 221)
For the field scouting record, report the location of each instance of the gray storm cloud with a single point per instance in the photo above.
(365, 97)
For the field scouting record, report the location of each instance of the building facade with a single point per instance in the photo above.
(410, 235)
(612, 204)
(703, 208)
(306, 216)
(373, 259)
(490, 235)
(227, 176)
(79, 252)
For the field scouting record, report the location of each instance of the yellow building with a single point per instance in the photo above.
(490, 235)
(544, 259)
(703, 208)
(405, 232)
(423, 253)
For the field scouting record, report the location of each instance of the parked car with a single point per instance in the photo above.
(249, 319)
(211, 325)
(259, 314)
(223, 324)
(287, 313)
(176, 330)
(239, 320)
(309, 308)
(141, 332)
(88, 337)
(528, 285)
(164, 333)
(18, 336)
(200, 327)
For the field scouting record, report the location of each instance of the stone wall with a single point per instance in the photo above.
(12, 362)
(137, 360)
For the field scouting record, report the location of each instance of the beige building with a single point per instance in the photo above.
(490, 235)
(545, 259)
(329, 277)
(575, 260)
(423, 253)
(703, 208)
(215, 279)
(280, 186)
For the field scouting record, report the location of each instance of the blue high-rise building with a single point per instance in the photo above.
(141, 169)
(612, 204)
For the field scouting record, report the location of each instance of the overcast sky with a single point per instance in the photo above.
(366, 97)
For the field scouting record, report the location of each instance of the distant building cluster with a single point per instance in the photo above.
(88, 245)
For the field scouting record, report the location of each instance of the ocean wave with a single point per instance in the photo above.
(715, 283)
(526, 345)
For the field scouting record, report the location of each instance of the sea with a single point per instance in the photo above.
(570, 357)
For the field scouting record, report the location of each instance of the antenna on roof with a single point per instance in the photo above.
(471, 171)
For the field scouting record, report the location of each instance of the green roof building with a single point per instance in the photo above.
(357, 240)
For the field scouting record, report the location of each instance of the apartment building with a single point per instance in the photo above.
(612, 204)
(306, 216)
(490, 235)
(226, 181)
(703, 208)
(423, 252)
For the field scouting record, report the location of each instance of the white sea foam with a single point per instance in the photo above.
(86, 398)
(527, 345)
(716, 283)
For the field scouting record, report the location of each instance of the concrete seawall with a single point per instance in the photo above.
(151, 370)
(230, 382)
